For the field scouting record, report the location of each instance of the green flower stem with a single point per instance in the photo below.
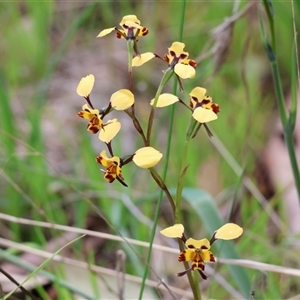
(130, 47)
(291, 149)
(288, 128)
(196, 282)
(270, 13)
(183, 168)
(163, 187)
(167, 75)
(136, 123)
(190, 132)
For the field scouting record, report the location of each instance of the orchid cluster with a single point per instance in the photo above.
(201, 105)
(145, 157)
(202, 110)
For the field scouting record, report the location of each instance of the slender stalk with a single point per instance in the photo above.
(153, 231)
(137, 126)
(196, 281)
(183, 168)
(161, 184)
(166, 77)
(130, 45)
(181, 181)
(285, 120)
(269, 10)
(131, 114)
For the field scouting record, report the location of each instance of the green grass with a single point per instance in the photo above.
(68, 188)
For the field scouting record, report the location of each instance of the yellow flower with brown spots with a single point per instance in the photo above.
(198, 251)
(176, 59)
(204, 110)
(94, 117)
(131, 29)
(113, 167)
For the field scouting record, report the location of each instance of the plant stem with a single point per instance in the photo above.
(137, 126)
(167, 75)
(153, 230)
(285, 120)
(180, 184)
(161, 184)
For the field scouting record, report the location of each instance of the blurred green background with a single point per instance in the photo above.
(47, 159)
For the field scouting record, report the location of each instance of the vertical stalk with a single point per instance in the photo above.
(166, 77)
(285, 119)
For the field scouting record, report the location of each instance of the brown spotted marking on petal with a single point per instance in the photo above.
(120, 34)
(192, 63)
(99, 159)
(215, 108)
(212, 258)
(181, 256)
(94, 125)
(166, 58)
(109, 177)
(183, 56)
(144, 31)
(193, 102)
(111, 172)
(172, 53)
(205, 101)
(80, 114)
(198, 265)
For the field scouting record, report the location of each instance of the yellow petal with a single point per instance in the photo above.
(203, 115)
(184, 71)
(129, 20)
(109, 131)
(103, 159)
(229, 231)
(200, 244)
(199, 93)
(86, 85)
(86, 108)
(122, 99)
(130, 24)
(143, 58)
(165, 100)
(177, 48)
(187, 255)
(174, 231)
(106, 32)
(147, 157)
(207, 255)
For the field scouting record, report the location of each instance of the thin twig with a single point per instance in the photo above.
(29, 294)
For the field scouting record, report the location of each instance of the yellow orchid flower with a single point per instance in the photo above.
(113, 167)
(178, 59)
(93, 116)
(198, 251)
(204, 110)
(131, 29)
